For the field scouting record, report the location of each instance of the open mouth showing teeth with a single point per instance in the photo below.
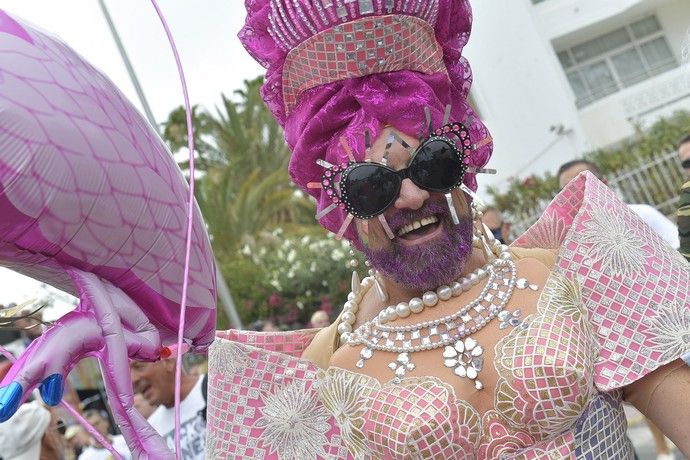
(418, 228)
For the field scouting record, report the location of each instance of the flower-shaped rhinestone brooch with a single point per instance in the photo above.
(465, 358)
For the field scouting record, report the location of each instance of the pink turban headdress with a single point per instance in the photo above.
(338, 68)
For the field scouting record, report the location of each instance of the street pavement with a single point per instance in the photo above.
(641, 437)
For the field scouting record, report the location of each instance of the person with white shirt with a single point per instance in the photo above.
(95, 451)
(156, 382)
(20, 438)
(661, 224)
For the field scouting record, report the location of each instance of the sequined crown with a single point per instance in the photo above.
(331, 40)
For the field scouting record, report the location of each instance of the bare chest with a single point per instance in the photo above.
(466, 363)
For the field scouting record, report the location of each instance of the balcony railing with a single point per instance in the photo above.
(664, 90)
(656, 183)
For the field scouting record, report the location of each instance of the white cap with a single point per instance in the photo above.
(21, 435)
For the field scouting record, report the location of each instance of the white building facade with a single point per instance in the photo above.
(554, 79)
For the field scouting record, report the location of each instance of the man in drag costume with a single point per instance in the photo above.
(455, 346)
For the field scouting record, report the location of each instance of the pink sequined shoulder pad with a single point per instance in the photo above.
(636, 288)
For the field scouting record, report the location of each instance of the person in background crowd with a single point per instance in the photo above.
(684, 204)
(650, 215)
(270, 326)
(52, 443)
(257, 326)
(156, 382)
(30, 329)
(7, 335)
(21, 436)
(320, 319)
(77, 440)
(493, 219)
(684, 154)
(5, 366)
(96, 451)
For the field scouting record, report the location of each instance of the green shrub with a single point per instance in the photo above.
(525, 196)
(288, 279)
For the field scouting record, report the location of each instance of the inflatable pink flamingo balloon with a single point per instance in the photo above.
(92, 202)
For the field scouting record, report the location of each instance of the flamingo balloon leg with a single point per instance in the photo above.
(109, 324)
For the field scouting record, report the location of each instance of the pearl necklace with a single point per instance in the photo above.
(415, 305)
(463, 356)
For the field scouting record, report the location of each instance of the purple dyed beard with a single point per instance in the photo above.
(429, 265)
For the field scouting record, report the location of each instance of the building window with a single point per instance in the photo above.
(616, 60)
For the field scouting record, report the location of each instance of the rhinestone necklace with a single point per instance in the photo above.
(416, 304)
(461, 353)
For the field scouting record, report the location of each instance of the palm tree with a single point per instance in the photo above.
(245, 216)
(244, 189)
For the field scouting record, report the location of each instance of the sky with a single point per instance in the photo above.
(205, 32)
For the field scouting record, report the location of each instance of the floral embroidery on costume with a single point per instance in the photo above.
(566, 295)
(613, 242)
(294, 422)
(426, 410)
(253, 410)
(500, 441)
(671, 328)
(623, 291)
(468, 427)
(436, 424)
(344, 396)
(547, 233)
(233, 359)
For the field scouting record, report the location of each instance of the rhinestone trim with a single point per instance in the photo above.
(361, 47)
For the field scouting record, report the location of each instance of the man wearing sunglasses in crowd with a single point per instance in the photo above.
(454, 345)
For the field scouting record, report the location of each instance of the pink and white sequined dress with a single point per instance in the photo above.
(614, 307)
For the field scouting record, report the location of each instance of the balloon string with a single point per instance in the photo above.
(188, 243)
(75, 414)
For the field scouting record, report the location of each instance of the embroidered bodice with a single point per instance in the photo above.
(544, 387)
(613, 308)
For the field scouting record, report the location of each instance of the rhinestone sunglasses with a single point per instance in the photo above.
(367, 189)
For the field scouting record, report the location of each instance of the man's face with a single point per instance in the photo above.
(99, 423)
(684, 154)
(80, 440)
(320, 319)
(497, 225)
(571, 173)
(155, 381)
(434, 252)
